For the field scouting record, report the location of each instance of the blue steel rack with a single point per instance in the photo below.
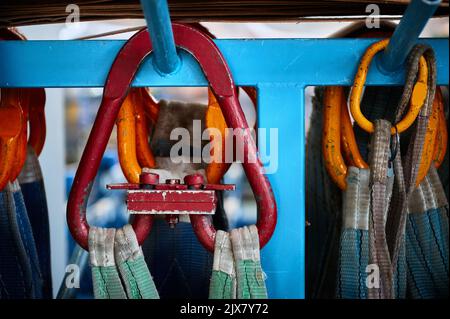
(280, 69)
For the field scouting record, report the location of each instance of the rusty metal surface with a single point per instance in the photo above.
(171, 202)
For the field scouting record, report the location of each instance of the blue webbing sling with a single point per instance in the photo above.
(25, 270)
(20, 276)
(33, 190)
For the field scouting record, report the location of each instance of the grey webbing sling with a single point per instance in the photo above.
(380, 176)
(386, 217)
(387, 234)
(406, 168)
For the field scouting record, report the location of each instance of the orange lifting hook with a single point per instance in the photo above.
(140, 107)
(126, 137)
(144, 101)
(442, 134)
(17, 111)
(331, 136)
(348, 140)
(12, 116)
(215, 119)
(132, 133)
(337, 135)
(417, 100)
(430, 146)
(19, 106)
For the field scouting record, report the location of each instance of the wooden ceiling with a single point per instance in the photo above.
(26, 12)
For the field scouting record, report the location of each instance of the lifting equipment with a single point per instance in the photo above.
(119, 79)
(282, 81)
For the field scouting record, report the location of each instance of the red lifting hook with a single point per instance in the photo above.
(117, 84)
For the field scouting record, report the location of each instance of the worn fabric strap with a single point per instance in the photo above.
(132, 267)
(105, 277)
(33, 191)
(406, 167)
(249, 274)
(378, 249)
(223, 277)
(26, 232)
(354, 242)
(379, 101)
(16, 279)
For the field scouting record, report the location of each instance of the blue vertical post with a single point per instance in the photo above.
(157, 15)
(407, 32)
(283, 258)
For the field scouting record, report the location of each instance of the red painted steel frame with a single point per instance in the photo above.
(117, 84)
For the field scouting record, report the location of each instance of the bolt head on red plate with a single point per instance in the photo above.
(149, 178)
(194, 180)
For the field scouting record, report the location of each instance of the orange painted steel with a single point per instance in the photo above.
(339, 140)
(429, 144)
(9, 138)
(418, 96)
(214, 120)
(442, 134)
(126, 139)
(348, 141)
(331, 136)
(143, 152)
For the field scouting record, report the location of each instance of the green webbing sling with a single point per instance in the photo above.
(237, 271)
(115, 258)
(223, 277)
(132, 267)
(105, 277)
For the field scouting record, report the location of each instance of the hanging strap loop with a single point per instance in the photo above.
(379, 197)
(118, 267)
(237, 271)
(411, 169)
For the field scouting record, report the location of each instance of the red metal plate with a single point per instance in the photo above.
(171, 202)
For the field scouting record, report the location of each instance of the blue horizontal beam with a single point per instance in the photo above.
(297, 62)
